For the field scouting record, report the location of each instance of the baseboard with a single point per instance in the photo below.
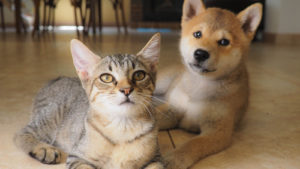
(291, 39)
(171, 25)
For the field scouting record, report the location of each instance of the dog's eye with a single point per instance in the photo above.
(224, 42)
(197, 34)
(107, 78)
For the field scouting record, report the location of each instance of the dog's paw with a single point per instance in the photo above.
(174, 161)
(46, 154)
(155, 165)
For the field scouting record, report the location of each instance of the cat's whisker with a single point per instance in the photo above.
(153, 97)
(147, 110)
(153, 107)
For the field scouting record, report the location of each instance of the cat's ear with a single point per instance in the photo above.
(84, 60)
(151, 51)
(192, 8)
(250, 19)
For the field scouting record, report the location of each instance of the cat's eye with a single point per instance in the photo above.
(224, 42)
(197, 34)
(106, 78)
(139, 75)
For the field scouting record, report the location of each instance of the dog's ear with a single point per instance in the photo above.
(250, 18)
(192, 8)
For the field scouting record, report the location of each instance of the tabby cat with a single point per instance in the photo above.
(101, 119)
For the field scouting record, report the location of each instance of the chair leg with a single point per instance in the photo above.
(49, 16)
(81, 16)
(84, 20)
(36, 27)
(115, 5)
(76, 22)
(53, 18)
(44, 17)
(100, 15)
(92, 16)
(24, 25)
(90, 21)
(123, 15)
(2, 18)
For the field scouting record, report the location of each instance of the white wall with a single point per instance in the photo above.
(283, 16)
(290, 16)
(272, 16)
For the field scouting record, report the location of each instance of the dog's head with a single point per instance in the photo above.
(214, 41)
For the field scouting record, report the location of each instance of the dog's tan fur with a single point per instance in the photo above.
(209, 103)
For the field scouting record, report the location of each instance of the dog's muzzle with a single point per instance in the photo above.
(201, 55)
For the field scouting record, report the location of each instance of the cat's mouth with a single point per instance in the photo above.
(127, 101)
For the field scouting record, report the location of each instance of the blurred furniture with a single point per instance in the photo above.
(36, 24)
(162, 10)
(2, 15)
(119, 5)
(167, 13)
(156, 13)
(18, 18)
(86, 12)
(19, 23)
(49, 18)
(77, 4)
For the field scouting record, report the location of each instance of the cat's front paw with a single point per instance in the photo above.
(46, 154)
(74, 162)
(85, 166)
(155, 165)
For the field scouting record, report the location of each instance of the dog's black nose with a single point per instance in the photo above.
(201, 55)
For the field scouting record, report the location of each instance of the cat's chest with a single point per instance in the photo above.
(105, 152)
(132, 155)
(129, 155)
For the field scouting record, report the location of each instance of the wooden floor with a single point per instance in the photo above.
(269, 137)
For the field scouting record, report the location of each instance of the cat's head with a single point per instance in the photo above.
(121, 83)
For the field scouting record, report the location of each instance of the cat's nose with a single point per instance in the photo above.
(126, 91)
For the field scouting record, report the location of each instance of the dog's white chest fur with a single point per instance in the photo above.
(191, 97)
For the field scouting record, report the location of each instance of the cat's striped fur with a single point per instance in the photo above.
(102, 119)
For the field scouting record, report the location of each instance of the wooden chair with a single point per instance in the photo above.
(87, 14)
(119, 5)
(49, 19)
(2, 15)
(77, 4)
(91, 6)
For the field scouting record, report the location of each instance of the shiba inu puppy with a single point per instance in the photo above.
(210, 95)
